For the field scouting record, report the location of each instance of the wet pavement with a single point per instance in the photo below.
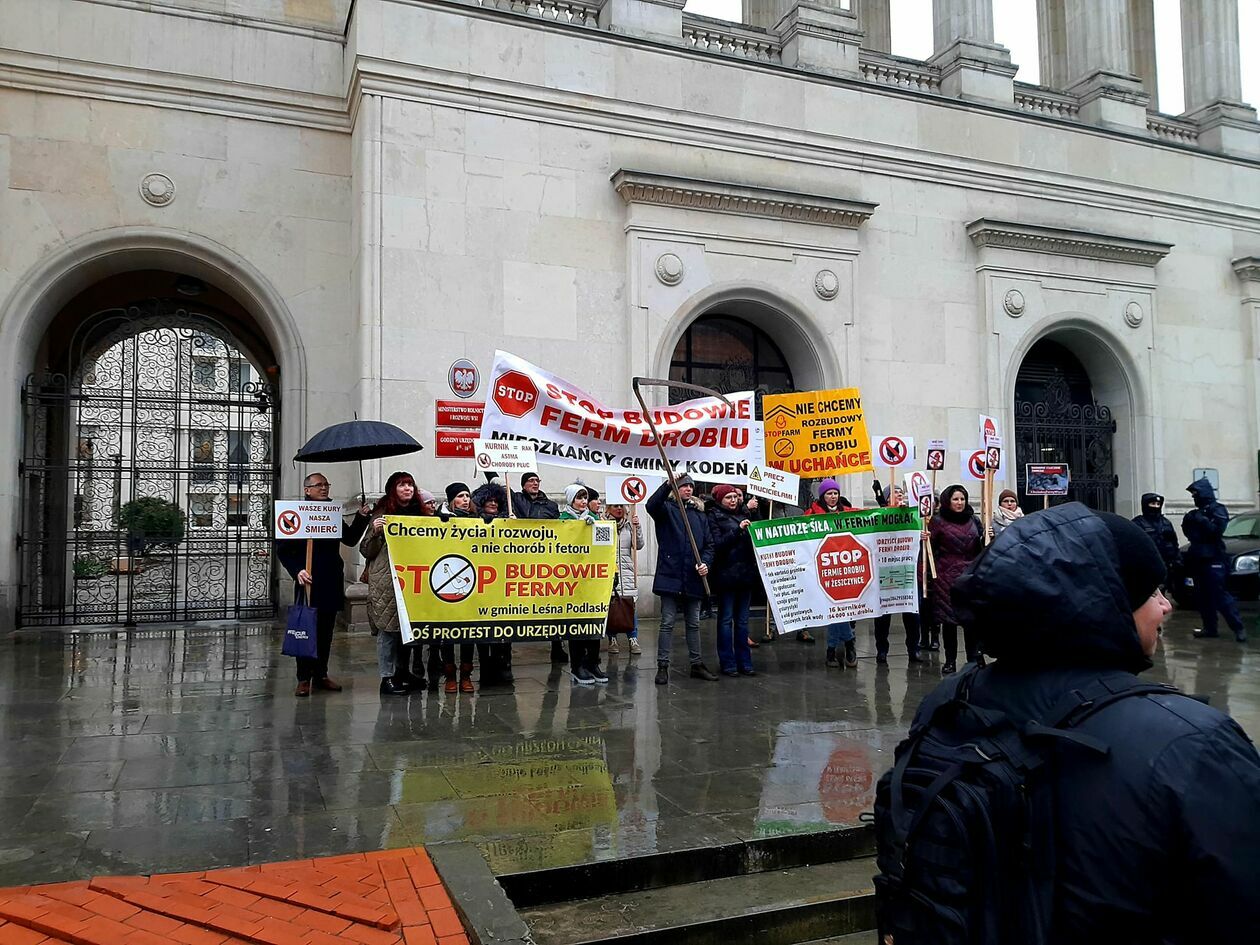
(186, 750)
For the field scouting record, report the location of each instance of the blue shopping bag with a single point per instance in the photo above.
(299, 635)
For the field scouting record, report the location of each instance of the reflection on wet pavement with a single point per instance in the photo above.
(161, 752)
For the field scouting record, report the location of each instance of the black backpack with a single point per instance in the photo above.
(964, 821)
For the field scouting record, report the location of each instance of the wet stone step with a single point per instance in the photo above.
(780, 907)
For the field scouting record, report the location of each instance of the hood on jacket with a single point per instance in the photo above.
(1152, 505)
(1053, 589)
(491, 491)
(1202, 491)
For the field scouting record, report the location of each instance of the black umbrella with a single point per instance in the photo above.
(357, 440)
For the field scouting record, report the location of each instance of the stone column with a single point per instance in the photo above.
(1247, 268)
(1142, 41)
(1213, 79)
(972, 65)
(648, 19)
(876, 22)
(1052, 43)
(820, 36)
(1098, 63)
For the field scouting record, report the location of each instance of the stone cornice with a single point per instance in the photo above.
(1247, 268)
(720, 197)
(998, 234)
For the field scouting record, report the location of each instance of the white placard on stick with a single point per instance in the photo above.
(301, 519)
(774, 484)
(629, 490)
(506, 457)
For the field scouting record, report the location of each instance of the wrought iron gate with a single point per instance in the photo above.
(148, 476)
(1058, 421)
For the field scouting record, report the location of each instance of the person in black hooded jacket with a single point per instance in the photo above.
(1161, 533)
(1206, 560)
(1158, 840)
(734, 576)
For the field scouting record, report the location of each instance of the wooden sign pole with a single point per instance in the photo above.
(767, 635)
(1045, 502)
(310, 563)
(634, 542)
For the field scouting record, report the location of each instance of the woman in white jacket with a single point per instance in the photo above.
(629, 541)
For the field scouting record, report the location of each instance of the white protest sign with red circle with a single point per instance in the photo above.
(973, 464)
(918, 485)
(893, 451)
(302, 519)
(634, 490)
(936, 454)
(630, 490)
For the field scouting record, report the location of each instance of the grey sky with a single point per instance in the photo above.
(1015, 26)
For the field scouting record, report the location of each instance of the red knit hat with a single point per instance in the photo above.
(721, 492)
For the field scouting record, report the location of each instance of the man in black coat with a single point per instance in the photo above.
(1155, 523)
(1207, 562)
(677, 582)
(532, 502)
(325, 582)
(1158, 840)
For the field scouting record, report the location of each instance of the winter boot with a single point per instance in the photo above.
(662, 674)
(465, 678)
(831, 657)
(448, 672)
(850, 654)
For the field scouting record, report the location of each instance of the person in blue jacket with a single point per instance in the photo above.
(1157, 840)
(1207, 562)
(677, 582)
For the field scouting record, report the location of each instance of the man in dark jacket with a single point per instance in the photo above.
(1158, 840)
(532, 502)
(325, 582)
(677, 582)
(1207, 562)
(1161, 533)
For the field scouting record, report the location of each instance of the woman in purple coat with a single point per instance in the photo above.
(957, 538)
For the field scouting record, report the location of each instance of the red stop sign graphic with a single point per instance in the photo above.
(844, 567)
(515, 394)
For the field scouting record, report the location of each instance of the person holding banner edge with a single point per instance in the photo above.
(490, 501)
(400, 498)
(910, 622)
(328, 594)
(678, 578)
(532, 502)
(583, 654)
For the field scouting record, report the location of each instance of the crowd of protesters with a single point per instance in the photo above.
(704, 565)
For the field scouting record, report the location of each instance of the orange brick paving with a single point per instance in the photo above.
(393, 897)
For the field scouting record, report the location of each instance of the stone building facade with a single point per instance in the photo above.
(356, 194)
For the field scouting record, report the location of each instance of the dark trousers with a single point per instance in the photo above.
(883, 625)
(465, 653)
(416, 651)
(732, 630)
(1209, 579)
(316, 669)
(584, 653)
(949, 633)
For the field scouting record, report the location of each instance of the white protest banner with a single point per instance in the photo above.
(774, 484)
(302, 519)
(506, 457)
(936, 455)
(893, 451)
(973, 464)
(823, 569)
(711, 439)
(629, 490)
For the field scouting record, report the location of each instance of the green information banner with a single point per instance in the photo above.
(824, 569)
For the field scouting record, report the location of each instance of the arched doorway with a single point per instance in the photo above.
(149, 465)
(1059, 420)
(728, 353)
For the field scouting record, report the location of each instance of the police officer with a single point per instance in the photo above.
(1206, 561)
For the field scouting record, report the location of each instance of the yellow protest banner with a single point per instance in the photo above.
(510, 580)
(817, 433)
